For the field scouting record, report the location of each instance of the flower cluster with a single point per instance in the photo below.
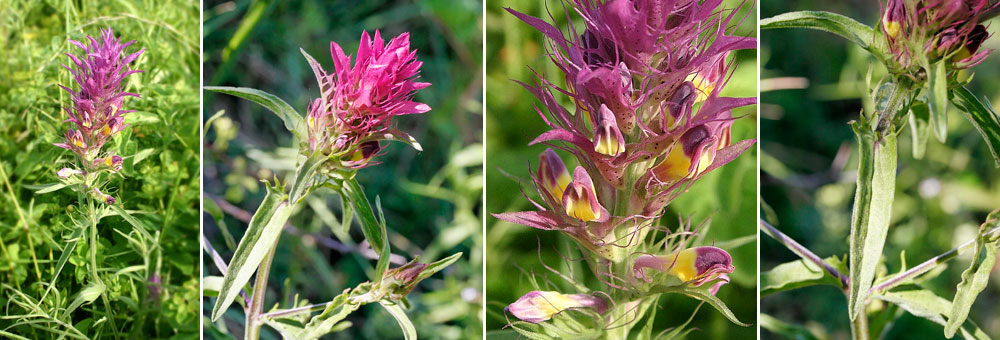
(357, 104)
(100, 71)
(937, 29)
(645, 78)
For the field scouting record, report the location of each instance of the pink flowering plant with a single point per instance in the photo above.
(343, 131)
(645, 121)
(100, 68)
(928, 50)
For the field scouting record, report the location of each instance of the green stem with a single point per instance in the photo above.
(859, 327)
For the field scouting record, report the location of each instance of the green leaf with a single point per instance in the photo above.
(920, 128)
(397, 312)
(843, 26)
(304, 176)
(982, 116)
(136, 224)
(291, 118)
(702, 294)
(88, 294)
(974, 280)
(797, 274)
(925, 304)
(264, 229)
(325, 322)
(787, 330)
(937, 99)
(373, 230)
(45, 188)
(437, 266)
(872, 210)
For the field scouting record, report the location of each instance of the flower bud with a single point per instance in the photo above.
(552, 174)
(608, 139)
(401, 280)
(67, 172)
(695, 265)
(580, 198)
(538, 306)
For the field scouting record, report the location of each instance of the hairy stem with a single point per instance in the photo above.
(859, 327)
(802, 251)
(927, 265)
(252, 323)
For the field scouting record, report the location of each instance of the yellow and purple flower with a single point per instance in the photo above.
(538, 306)
(695, 266)
(357, 104)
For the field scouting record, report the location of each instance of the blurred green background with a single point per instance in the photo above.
(812, 85)
(728, 195)
(162, 186)
(432, 199)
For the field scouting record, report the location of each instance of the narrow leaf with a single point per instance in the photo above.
(843, 26)
(291, 118)
(370, 227)
(336, 311)
(45, 188)
(920, 128)
(982, 116)
(87, 295)
(304, 176)
(797, 274)
(787, 330)
(974, 280)
(872, 210)
(264, 229)
(937, 99)
(409, 332)
(700, 294)
(925, 304)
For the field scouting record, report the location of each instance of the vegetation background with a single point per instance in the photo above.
(728, 194)
(432, 199)
(161, 180)
(812, 85)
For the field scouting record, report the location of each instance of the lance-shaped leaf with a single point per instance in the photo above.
(291, 118)
(937, 99)
(702, 294)
(982, 116)
(925, 304)
(843, 26)
(373, 229)
(304, 176)
(262, 234)
(974, 280)
(920, 128)
(397, 312)
(872, 210)
(797, 274)
(330, 320)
